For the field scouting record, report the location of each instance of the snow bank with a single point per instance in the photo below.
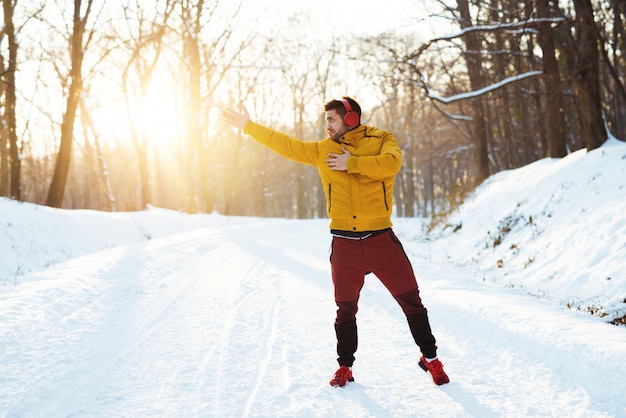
(555, 228)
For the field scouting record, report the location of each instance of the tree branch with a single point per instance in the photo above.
(484, 90)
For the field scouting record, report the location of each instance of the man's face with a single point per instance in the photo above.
(335, 125)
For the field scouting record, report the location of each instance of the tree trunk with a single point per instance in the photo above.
(9, 109)
(615, 62)
(552, 80)
(474, 69)
(197, 168)
(587, 76)
(620, 107)
(5, 175)
(61, 169)
(503, 121)
(410, 197)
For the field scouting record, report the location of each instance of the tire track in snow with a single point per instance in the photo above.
(268, 350)
(231, 336)
(216, 283)
(128, 308)
(272, 339)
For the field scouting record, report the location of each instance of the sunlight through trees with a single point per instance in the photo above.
(115, 105)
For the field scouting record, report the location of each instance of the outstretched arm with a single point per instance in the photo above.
(292, 148)
(237, 119)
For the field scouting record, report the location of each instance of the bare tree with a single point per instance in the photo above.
(145, 50)
(207, 57)
(10, 127)
(77, 53)
(552, 81)
(613, 49)
(301, 75)
(588, 76)
(198, 59)
(97, 185)
(477, 81)
(618, 60)
(497, 29)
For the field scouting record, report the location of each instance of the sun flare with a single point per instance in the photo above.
(154, 117)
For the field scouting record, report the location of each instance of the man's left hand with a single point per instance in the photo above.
(237, 119)
(338, 162)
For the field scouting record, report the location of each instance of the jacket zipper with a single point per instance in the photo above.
(330, 199)
(385, 196)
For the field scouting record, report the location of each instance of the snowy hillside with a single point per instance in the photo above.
(162, 314)
(555, 229)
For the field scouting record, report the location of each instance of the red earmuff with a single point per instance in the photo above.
(351, 118)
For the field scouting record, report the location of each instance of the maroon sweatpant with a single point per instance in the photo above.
(383, 255)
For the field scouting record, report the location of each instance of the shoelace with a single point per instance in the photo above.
(343, 373)
(437, 368)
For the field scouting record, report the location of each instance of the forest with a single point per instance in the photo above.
(115, 105)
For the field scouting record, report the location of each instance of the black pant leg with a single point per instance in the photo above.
(347, 342)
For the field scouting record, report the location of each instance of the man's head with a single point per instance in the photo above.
(337, 123)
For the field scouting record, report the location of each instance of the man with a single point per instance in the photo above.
(357, 165)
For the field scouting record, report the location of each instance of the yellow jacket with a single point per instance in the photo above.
(359, 199)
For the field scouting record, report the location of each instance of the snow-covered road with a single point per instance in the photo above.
(236, 320)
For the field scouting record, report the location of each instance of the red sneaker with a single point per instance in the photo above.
(342, 376)
(435, 368)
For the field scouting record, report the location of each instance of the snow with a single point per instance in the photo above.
(160, 314)
(484, 90)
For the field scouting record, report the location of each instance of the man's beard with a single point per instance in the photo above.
(337, 135)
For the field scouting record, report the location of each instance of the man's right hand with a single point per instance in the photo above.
(238, 120)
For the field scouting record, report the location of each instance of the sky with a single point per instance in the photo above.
(342, 18)
(159, 313)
